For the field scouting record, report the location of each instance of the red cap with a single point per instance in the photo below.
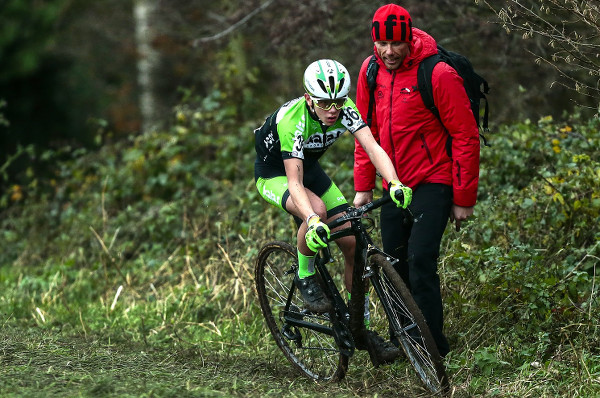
(392, 23)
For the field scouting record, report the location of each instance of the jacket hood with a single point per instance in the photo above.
(422, 46)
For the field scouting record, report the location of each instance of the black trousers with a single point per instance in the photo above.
(416, 244)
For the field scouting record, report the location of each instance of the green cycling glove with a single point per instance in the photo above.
(396, 186)
(313, 240)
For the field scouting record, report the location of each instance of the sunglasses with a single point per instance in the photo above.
(326, 104)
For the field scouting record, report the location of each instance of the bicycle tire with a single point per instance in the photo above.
(312, 353)
(408, 324)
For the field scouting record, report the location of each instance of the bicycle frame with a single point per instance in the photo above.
(347, 323)
(320, 345)
(339, 316)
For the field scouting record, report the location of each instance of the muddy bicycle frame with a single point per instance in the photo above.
(346, 323)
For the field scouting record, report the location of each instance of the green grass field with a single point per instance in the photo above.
(129, 272)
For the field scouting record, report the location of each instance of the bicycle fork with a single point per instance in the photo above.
(402, 326)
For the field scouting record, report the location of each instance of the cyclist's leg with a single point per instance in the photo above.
(336, 205)
(347, 245)
(275, 191)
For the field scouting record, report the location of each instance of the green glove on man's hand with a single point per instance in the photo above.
(313, 240)
(405, 198)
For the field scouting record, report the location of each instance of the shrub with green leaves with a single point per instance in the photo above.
(526, 267)
(153, 240)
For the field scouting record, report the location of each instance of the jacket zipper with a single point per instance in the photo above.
(458, 173)
(426, 148)
(393, 157)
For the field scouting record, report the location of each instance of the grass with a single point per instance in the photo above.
(49, 363)
(169, 342)
(131, 274)
(240, 360)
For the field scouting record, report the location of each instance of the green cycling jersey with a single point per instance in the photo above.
(294, 132)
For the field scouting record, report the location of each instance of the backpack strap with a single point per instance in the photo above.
(425, 87)
(424, 82)
(372, 70)
(486, 90)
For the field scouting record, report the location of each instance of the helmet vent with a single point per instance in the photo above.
(322, 85)
(342, 82)
(332, 84)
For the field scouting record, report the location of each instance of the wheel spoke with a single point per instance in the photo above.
(403, 318)
(314, 354)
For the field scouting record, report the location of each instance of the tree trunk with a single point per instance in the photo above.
(148, 60)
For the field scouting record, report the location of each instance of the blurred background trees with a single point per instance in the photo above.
(80, 73)
(562, 35)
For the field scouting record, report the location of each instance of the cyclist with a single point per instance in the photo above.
(288, 175)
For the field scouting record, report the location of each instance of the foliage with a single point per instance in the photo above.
(69, 64)
(26, 31)
(60, 66)
(570, 32)
(150, 243)
(521, 280)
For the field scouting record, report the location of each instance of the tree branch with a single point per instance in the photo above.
(233, 27)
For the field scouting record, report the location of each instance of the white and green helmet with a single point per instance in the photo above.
(326, 79)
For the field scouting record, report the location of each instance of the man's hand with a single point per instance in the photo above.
(313, 240)
(396, 186)
(362, 198)
(458, 214)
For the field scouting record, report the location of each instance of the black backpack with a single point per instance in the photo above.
(473, 83)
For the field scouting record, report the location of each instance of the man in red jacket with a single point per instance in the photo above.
(444, 180)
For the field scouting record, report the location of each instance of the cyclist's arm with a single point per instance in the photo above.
(294, 170)
(378, 157)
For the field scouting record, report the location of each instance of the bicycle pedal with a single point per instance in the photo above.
(295, 336)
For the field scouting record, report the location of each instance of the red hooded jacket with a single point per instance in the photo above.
(412, 135)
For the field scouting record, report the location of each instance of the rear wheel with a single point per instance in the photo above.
(313, 353)
(404, 320)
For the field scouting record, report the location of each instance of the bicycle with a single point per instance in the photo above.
(320, 345)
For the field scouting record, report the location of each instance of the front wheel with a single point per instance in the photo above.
(313, 353)
(407, 324)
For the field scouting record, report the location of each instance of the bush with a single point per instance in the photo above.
(521, 277)
(153, 240)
